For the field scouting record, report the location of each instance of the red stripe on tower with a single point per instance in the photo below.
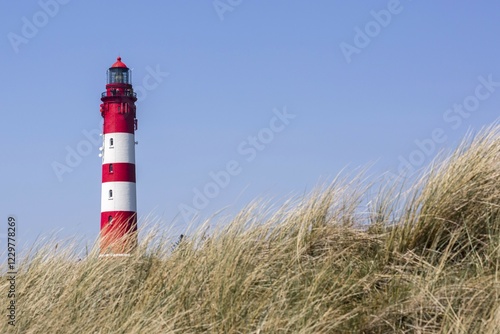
(118, 192)
(114, 172)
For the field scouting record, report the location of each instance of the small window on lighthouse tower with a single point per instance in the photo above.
(110, 142)
(110, 168)
(110, 194)
(110, 219)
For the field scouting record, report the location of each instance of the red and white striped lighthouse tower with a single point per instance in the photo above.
(118, 195)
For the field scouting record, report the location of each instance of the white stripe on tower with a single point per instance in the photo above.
(118, 196)
(118, 147)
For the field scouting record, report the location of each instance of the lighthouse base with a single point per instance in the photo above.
(114, 255)
(118, 233)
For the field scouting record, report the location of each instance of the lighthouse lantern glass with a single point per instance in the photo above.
(119, 75)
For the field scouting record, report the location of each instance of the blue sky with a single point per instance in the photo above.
(363, 82)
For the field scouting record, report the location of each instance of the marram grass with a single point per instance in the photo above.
(427, 262)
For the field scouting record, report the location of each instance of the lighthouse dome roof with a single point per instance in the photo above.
(119, 63)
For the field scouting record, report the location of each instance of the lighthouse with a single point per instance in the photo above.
(118, 194)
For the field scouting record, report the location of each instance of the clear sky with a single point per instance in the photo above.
(387, 83)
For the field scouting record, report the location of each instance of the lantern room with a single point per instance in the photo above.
(119, 73)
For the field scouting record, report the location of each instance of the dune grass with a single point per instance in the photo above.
(422, 260)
